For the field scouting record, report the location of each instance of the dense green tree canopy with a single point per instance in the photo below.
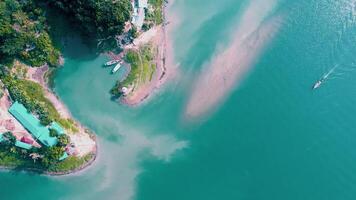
(51, 155)
(63, 140)
(9, 139)
(101, 18)
(23, 34)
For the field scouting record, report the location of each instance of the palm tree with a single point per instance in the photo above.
(13, 150)
(35, 156)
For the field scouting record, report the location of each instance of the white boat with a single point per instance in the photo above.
(111, 62)
(324, 78)
(317, 84)
(117, 67)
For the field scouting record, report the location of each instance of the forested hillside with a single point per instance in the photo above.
(24, 34)
(100, 18)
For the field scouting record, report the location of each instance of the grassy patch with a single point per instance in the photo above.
(155, 15)
(34, 92)
(71, 163)
(133, 58)
(142, 68)
(68, 124)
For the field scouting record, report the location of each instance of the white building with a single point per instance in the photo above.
(138, 16)
(142, 4)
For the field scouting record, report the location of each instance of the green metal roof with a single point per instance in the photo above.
(1, 137)
(58, 128)
(32, 124)
(65, 155)
(23, 145)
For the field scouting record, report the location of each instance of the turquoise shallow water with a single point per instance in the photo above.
(273, 138)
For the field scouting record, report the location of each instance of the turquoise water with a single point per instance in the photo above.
(273, 138)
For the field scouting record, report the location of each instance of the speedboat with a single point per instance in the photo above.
(324, 78)
(317, 84)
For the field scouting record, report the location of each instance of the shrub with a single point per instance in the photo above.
(63, 140)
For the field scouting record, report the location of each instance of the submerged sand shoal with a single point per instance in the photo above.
(220, 76)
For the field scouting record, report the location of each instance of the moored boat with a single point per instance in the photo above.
(111, 62)
(116, 68)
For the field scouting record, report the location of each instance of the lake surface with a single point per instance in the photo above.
(273, 137)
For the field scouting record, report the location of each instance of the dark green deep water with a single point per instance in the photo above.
(273, 138)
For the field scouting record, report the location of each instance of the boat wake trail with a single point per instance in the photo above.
(330, 72)
(219, 77)
(325, 77)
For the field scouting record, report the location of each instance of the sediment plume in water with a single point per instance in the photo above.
(228, 67)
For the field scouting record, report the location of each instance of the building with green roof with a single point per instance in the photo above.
(23, 145)
(32, 124)
(65, 155)
(1, 137)
(55, 126)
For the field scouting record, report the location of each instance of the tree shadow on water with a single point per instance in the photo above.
(68, 38)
